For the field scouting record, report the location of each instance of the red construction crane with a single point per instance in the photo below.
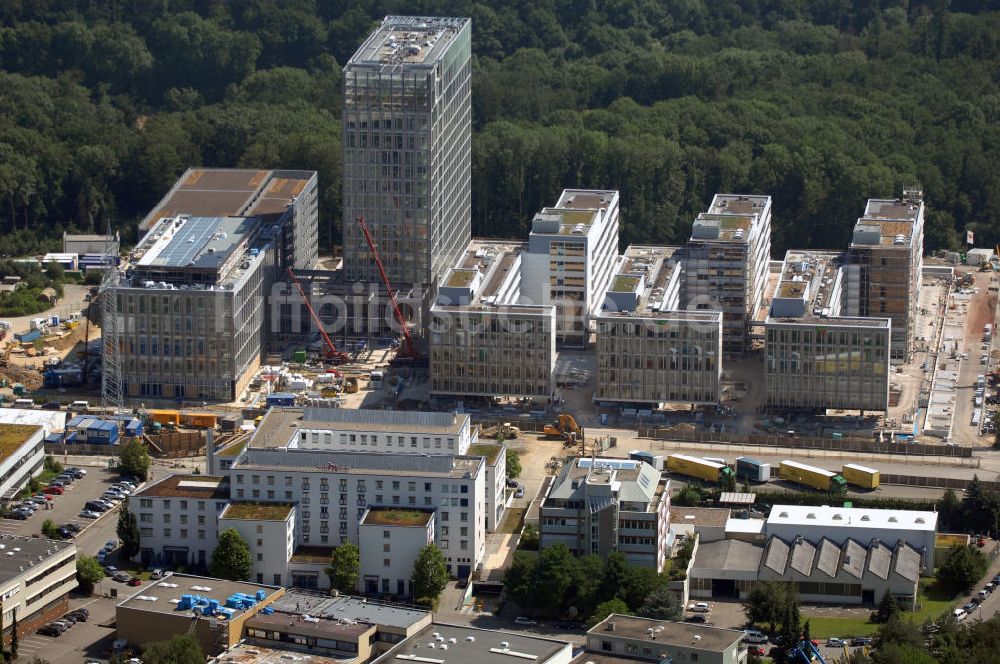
(410, 350)
(331, 351)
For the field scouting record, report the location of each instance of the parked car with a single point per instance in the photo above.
(20, 515)
(525, 621)
(859, 641)
(89, 514)
(53, 490)
(58, 483)
(512, 484)
(699, 607)
(519, 493)
(157, 575)
(72, 526)
(70, 618)
(121, 577)
(83, 613)
(756, 650)
(135, 581)
(970, 607)
(38, 499)
(983, 594)
(834, 642)
(101, 556)
(755, 636)
(96, 506)
(65, 533)
(567, 625)
(110, 570)
(50, 630)
(111, 545)
(700, 618)
(78, 471)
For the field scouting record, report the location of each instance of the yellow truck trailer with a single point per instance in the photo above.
(708, 471)
(817, 478)
(862, 476)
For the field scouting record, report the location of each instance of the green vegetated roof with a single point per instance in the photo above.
(624, 283)
(397, 517)
(12, 436)
(257, 511)
(490, 451)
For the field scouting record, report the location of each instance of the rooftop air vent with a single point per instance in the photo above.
(866, 518)
(783, 515)
(811, 515)
(920, 519)
(893, 519)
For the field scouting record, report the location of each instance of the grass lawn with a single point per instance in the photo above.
(512, 520)
(932, 599)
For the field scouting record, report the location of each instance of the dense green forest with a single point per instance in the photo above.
(820, 103)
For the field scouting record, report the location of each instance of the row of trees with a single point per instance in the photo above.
(820, 104)
(555, 583)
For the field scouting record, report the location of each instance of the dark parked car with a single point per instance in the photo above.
(20, 515)
(51, 630)
(66, 533)
(72, 527)
(858, 641)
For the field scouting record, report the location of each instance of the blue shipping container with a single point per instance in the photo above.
(281, 399)
(28, 337)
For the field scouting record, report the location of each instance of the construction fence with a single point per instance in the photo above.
(845, 444)
(162, 446)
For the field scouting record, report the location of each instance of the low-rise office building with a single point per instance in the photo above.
(570, 258)
(22, 454)
(36, 576)
(178, 519)
(649, 350)
(597, 506)
(441, 643)
(726, 264)
(269, 530)
(392, 624)
(182, 604)
(815, 357)
(484, 341)
(662, 641)
(389, 540)
(495, 456)
(358, 430)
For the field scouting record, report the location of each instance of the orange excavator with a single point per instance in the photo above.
(332, 354)
(564, 427)
(409, 353)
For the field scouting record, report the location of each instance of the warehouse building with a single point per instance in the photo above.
(645, 639)
(22, 454)
(838, 524)
(648, 350)
(407, 146)
(822, 570)
(597, 506)
(191, 306)
(727, 262)
(441, 643)
(286, 199)
(483, 341)
(570, 259)
(36, 577)
(885, 263)
(815, 357)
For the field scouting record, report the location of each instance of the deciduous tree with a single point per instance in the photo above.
(231, 558)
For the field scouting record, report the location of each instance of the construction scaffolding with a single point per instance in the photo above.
(112, 394)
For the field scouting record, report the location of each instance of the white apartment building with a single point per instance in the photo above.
(332, 491)
(390, 539)
(816, 358)
(570, 259)
(178, 519)
(727, 262)
(649, 350)
(21, 456)
(483, 340)
(269, 530)
(603, 505)
(359, 430)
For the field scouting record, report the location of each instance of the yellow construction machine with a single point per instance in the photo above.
(564, 427)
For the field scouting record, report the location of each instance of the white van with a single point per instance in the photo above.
(24, 403)
(959, 615)
(80, 406)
